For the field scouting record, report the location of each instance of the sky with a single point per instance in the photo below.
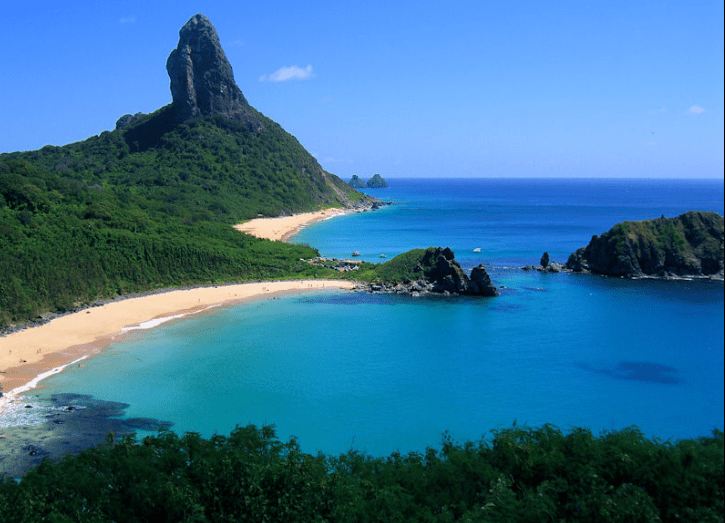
(533, 88)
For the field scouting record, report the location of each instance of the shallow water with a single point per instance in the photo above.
(382, 373)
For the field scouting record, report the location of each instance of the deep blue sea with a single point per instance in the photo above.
(381, 373)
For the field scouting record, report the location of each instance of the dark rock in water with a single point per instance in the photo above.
(356, 182)
(544, 262)
(689, 245)
(377, 182)
(202, 82)
(432, 270)
(481, 282)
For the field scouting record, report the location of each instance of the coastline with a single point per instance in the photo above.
(282, 228)
(29, 355)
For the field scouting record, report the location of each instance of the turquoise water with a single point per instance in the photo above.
(382, 373)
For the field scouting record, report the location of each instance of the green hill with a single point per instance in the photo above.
(151, 204)
(688, 245)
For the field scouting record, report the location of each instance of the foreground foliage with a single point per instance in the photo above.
(514, 475)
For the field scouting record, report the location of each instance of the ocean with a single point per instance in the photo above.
(382, 373)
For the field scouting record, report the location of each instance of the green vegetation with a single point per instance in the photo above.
(515, 475)
(688, 245)
(409, 266)
(376, 182)
(151, 206)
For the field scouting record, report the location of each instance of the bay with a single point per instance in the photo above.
(384, 373)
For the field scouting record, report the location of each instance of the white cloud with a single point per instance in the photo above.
(652, 143)
(284, 74)
(128, 20)
(696, 109)
(237, 43)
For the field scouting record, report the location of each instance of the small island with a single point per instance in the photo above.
(689, 245)
(376, 182)
(423, 271)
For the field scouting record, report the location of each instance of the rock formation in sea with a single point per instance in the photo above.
(202, 82)
(356, 182)
(432, 270)
(689, 245)
(545, 265)
(377, 182)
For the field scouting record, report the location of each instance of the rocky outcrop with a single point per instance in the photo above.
(356, 182)
(127, 120)
(689, 245)
(202, 82)
(433, 270)
(545, 265)
(377, 182)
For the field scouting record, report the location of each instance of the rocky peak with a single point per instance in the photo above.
(202, 82)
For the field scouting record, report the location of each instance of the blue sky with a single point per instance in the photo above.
(405, 89)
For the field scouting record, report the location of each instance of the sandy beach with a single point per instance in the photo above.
(33, 352)
(30, 355)
(282, 228)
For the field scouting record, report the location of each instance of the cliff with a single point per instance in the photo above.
(689, 245)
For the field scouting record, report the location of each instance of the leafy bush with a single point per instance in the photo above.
(517, 475)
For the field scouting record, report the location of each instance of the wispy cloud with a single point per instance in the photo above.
(283, 74)
(696, 109)
(655, 111)
(237, 43)
(652, 143)
(128, 20)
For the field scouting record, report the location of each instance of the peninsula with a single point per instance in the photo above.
(689, 245)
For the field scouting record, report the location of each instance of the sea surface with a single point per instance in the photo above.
(382, 373)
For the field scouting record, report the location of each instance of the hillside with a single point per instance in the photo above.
(151, 203)
(688, 245)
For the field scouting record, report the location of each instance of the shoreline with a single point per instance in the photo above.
(28, 356)
(282, 228)
(31, 353)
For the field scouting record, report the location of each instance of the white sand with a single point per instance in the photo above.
(282, 227)
(30, 353)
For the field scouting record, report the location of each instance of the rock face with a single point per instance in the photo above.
(127, 120)
(688, 245)
(435, 270)
(202, 82)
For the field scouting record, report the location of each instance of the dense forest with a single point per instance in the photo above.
(512, 475)
(151, 206)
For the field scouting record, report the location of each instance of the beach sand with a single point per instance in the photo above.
(32, 354)
(283, 227)
(27, 354)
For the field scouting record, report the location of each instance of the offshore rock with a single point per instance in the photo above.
(202, 82)
(432, 270)
(356, 182)
(481, 282)
(689, 245)
(377, 182)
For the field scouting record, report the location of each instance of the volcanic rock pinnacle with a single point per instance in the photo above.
(202, 82)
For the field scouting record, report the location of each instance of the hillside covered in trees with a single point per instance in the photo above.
(151, 203)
